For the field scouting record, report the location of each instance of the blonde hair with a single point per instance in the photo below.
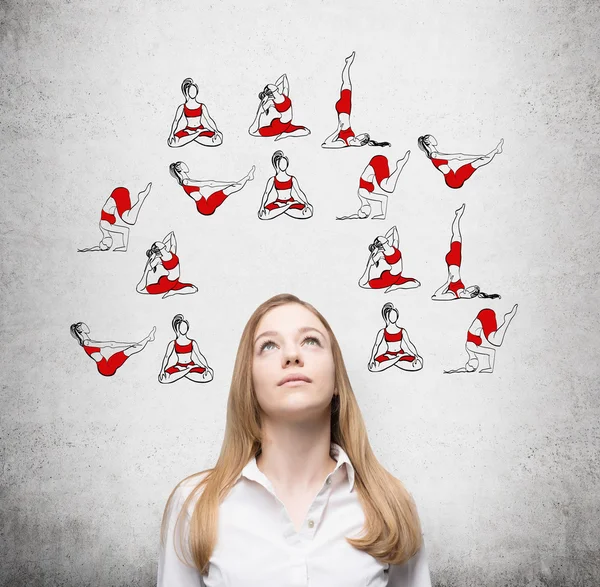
(392, 531)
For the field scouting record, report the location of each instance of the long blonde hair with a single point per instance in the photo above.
(392, 531)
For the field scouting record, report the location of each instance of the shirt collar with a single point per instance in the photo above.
(253, 473)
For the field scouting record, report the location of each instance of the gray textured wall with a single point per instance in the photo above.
(504, 467)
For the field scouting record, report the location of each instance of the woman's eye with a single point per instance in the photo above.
(314, 339)
(266, 344)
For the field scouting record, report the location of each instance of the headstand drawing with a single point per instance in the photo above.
(108, 355)
(484, 334)
(192, 121)
(384, 267)
(119, 208)
(283, 194)
(207, 193)
(161, 273)
(374, 184)
(393, 347)
(455, 178)
(274, 115)
(189, 361)
(454, 288)
(344, 135)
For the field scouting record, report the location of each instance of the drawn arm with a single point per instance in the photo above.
(378, 340)
(409, 344)
(168, 353)
(207, 121)
(301, 195)
(178, 115)
(283, 84)
(265, 196)
(200, 358)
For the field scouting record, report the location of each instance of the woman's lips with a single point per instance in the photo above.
(294, 380)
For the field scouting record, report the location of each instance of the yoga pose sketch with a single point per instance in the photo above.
(374, 184)
(108, 355)
(192, 121)
(455, 178)
(119, 208)
(454, 288)
(283, 194)
(188, 362)
(392, 345)
(344, 135)
(161, 273)
(207, 193)
(384, 266)
(484, 334)
(274, 115)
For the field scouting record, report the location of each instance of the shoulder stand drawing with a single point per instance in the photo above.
(375, 184)
(120, 211)
(192, 122)
(108, 354)
(208, 194)
(384, 266)
(393, 347)
(283, 194)
(482, 336)
(183, 357)
(161, 272)
(274, 115)
(344, 136)
(455, 178)
(454, 288)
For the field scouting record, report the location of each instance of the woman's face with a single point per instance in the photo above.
(282, 164)
(393, 315)
(291, 341)
(192, 91)
(183, 327)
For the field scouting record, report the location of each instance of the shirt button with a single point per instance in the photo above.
(328, 481)
(310, 523)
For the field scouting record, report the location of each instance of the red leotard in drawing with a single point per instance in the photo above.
(455, 179)
(393, 337)
(165, 284)
(454, 257)
(106, 367)
(180, 350)
(284, 185)
(276, 127)
(122, 201)
(206, 206)
(387, 278)
(381, 168)
(487, 317)
(343, 106)
(188, 130)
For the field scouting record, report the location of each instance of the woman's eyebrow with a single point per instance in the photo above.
(275, 333)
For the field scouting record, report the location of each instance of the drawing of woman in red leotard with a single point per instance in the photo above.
(455, 178)
(274, 115)
(161, 273)
(119, 207)
(384, 267)
(392, 345)
(484, 334)
(108, 355)
(207, 193)
(192, 121)
(283, 194)
(454, 288)
(374, 184)
(185, 356)
(344, 136)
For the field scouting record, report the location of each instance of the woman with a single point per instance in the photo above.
(392, 345)
(190, 362)
(282, 186)
(192, 121)
(107, 361)
(454, 288)
(374, 184)
(483, 332)
(161, 273)
(296, 479)
(119, 207)
(455, 178)
(207, 193)
(274, 115)
(344, 135)
(384, 266)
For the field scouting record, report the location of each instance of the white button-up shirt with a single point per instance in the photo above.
(258, 546)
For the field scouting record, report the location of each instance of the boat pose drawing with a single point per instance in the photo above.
(454, 288)
(120, 211)
(108, 355)
(183, 357)
(192, 122)
(375, 184)
(283, 194)
(456, 174)
(162, 271)
(384, 266)
(482, 336)
(344, 136)
(274, 115)
(208, 194)
(393, 347)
